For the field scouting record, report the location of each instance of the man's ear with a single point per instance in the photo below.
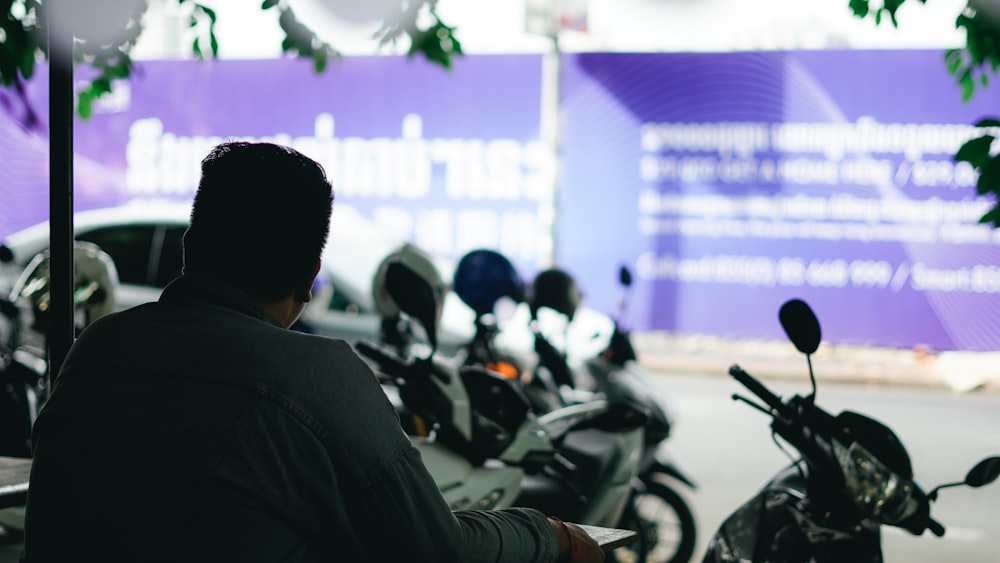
(303, 293)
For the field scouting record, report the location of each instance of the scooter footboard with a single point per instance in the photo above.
(590, 479)
(466, 486)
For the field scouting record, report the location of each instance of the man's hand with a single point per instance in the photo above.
(575, 545)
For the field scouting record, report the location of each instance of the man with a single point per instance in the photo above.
(199, 428)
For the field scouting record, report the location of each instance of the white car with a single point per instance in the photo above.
(144, 240)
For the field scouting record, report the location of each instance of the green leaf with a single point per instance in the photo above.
(953, 60)
(85, 104)
(988, 122)
(100, 86)
(320, 58)
(208, 12)
(26, 62)
(968, 85)
(975, 151)
(892, 5)
(268, 4)
(989, 177)
(991, 216)
(8, 69)
(859, 7)
(120, 70)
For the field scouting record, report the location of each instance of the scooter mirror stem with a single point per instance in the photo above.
(812, 379)
(934, 493)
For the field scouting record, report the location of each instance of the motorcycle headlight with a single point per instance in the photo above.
(876, 490)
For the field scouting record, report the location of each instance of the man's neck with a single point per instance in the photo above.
(284, 311)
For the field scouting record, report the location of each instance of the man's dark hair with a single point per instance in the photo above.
(260, 218)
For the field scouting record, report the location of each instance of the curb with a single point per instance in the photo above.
(957, 371)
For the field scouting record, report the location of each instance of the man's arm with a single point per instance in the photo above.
(425, 528)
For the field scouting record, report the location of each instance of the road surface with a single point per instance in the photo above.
(727, 447)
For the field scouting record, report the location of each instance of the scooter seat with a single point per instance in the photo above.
(594, 455)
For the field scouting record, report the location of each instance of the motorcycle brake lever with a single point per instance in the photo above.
(761, 408)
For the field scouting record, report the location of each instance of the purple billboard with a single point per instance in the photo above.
(731, 183)
(448, 159)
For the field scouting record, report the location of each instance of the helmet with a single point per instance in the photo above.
(557, 290)
(483, 277)
(94, 289)
(418, 261)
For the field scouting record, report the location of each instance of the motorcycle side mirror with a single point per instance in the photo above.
(415, 297)
(625, 276)
(984, 473)
(802, 328)
(801, 325)
(6, 254)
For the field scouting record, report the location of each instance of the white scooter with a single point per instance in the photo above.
(482, 439)
(658, 511)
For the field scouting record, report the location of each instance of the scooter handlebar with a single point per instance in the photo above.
(387, 361)
(757, 388)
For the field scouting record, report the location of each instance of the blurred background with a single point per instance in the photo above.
(731, 154)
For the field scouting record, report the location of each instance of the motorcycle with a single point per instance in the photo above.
(22, 379)
(482, 440)
(853, 476)
(24, 373)
(665, 522)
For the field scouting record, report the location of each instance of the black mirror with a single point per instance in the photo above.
(415, 297)
(984, 473)
(800, 325)
(625, 276)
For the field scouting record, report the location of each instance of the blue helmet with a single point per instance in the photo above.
(483, 277)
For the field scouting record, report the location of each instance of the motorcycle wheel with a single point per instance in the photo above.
(665, 524)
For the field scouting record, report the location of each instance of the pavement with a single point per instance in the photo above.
(958, 371)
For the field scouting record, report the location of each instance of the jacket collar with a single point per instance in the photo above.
(211, 290)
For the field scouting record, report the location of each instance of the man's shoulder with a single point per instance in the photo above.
(317, 368)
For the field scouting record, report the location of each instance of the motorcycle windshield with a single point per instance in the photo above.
(877, 491)
(876, 468)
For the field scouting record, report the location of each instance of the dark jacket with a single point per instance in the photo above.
(198, 429)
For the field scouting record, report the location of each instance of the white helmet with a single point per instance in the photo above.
(418, 261)
(93, 292)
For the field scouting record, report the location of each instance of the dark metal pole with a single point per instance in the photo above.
(61, 326)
